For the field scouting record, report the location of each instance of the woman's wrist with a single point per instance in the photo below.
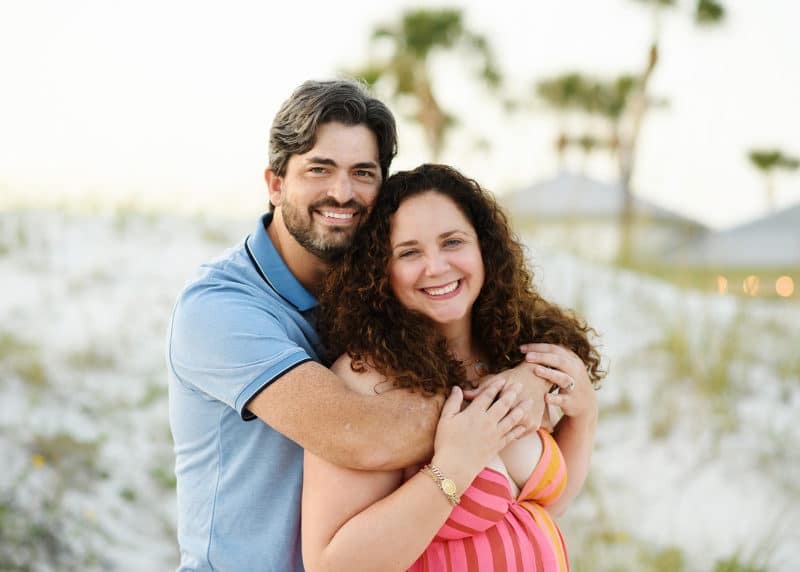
(444, 483)
(586, 420)
(461, 476)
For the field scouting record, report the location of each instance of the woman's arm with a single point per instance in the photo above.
(575, 438)
(359, 520)
(352, 520)
(575, 432)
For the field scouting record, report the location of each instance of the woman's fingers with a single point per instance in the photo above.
(557, 357)
(503, 404)
(453, 403)
(561, 379)
(544, 348)
(552, 360)
(484, 400)
(511, 420)
(473, 392)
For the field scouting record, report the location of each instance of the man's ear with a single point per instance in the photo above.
(274, 186)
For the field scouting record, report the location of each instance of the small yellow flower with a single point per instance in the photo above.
(38, 461)
(89, 515)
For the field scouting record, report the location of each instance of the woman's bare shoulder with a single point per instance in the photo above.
(366, 381)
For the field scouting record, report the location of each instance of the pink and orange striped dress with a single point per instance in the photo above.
(491, 531)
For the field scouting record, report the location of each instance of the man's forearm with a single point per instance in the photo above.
(313, 407)
(399, 430)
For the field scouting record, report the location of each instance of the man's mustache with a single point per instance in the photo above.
(358, 208)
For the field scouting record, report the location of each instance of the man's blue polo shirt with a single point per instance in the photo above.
(241, 324)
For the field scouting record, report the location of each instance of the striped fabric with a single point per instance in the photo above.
(490, 531)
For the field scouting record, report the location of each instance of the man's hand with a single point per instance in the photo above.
(533, 388)
(561, 366)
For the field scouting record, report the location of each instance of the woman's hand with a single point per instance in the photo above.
(467, 440)
(533, 386)
(558, 365)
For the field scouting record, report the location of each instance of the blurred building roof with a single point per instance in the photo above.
(770, 241)
(577, 196)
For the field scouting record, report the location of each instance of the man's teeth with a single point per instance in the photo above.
(443, 290)
(341, 216)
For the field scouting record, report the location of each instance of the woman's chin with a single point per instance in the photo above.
(449, 321)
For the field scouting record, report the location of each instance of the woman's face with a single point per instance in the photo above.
(436, 266)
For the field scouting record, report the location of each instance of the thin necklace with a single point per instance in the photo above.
(478, 366)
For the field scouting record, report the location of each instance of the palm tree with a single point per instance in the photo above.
(564, 94)
(404, 73)
(706, 13)
(587, 143)
(590, 97)
(622, 102)
(768, 161)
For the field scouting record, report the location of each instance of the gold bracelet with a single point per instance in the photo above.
(447, 486)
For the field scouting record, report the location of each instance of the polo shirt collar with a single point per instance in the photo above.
(274, 270)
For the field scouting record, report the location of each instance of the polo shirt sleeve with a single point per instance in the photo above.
(229, 347)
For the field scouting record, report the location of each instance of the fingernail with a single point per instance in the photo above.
(539, 369)
(527, 403)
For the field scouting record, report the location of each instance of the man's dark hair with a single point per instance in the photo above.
(314, 103)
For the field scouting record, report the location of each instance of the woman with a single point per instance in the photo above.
(434, 295)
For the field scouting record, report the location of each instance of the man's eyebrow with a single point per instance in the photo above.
(365, 165)
(321, 161)
(332, 163)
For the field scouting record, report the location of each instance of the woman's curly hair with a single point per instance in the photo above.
(360, 315)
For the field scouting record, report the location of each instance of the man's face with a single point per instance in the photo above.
(328, 191)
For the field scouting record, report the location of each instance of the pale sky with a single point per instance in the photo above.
(169, 103)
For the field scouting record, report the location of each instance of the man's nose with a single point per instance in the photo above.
(341, 188)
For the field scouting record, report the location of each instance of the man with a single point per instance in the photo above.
(246, 390)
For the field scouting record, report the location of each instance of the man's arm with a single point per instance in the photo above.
(313, 407)
(236, 351)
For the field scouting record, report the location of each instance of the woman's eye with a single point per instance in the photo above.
(407, 253)
(453, 242)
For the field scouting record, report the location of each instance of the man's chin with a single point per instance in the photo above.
(333, 246)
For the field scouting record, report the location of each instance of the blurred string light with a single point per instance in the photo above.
(784, 286)
(722, 285)
(750, 285)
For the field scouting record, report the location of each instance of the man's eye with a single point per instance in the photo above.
(364, 173)
(318, 170)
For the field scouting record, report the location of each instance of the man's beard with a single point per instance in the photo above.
(328, 245)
